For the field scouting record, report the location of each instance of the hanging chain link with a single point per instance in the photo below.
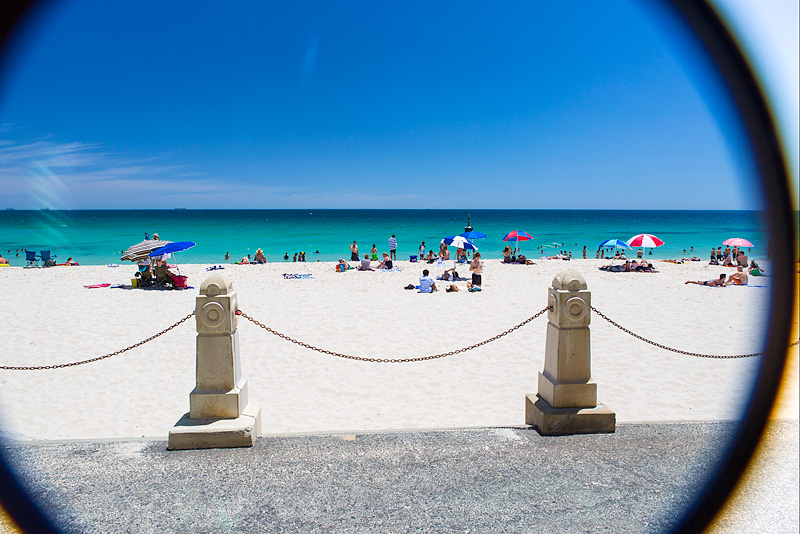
(392, 360)
(72, 364)
(659, 345)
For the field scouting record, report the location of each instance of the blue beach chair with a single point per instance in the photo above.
(30, 257)
(47, 261)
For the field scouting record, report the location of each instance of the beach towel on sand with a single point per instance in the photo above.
(292, 276)
(95, 286)
(392, 270)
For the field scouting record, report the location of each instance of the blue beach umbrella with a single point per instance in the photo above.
(472, 234)
(616, 243)
(172, 247)
(459, 242)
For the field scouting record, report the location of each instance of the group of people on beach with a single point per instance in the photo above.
(428, 285)
(728, 257)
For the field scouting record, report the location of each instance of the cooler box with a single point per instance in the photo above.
(134, 282)
(179, 281)
(412, 259)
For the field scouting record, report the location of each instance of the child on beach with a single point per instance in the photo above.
(374, 252)
(476, 268)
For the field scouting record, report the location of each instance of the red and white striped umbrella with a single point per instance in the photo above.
(645, 240)
(737, 242)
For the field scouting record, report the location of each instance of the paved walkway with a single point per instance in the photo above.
(478, 480)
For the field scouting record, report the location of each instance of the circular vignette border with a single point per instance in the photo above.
(764, 143)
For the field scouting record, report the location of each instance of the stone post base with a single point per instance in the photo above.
(216, 433)
(551, 421)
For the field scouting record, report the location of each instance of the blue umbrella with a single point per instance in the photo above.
(614, 243)
(172, 247)
(472, 234)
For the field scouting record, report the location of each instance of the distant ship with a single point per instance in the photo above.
(180, 208)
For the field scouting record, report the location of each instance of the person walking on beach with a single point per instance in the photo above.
(584, 252)
(393, 248)
(354, 252)
(476, 268)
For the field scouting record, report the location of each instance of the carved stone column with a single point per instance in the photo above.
(219, 412)
(567, 398)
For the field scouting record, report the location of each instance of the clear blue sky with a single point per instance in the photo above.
(363, 105)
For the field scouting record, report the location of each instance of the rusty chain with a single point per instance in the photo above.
(377, 360)
(98, 358)
(392, 360)
(659, 345)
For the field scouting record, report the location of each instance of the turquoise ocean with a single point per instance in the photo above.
(97, 237)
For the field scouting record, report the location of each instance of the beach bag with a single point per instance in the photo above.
(340, 268)
(412, 259)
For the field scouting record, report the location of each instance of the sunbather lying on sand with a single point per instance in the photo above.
(717, 282)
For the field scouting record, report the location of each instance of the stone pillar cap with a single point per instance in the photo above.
(570, 280)
(215, 285)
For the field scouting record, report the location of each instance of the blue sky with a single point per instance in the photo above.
(364, 105)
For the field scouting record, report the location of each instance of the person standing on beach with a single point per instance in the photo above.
(374, 252)
(422, 251)
(393, 248)
(354, 252)
(584, 252)
(476, 268)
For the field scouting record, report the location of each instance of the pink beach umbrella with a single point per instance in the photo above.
(516, 236)
(737, 242)
(645, 240)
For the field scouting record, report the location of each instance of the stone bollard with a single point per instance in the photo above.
(219, 414)
(567, 398)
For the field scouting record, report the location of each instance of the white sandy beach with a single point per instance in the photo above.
(48, 317)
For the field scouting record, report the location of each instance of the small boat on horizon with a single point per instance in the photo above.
(180, 208)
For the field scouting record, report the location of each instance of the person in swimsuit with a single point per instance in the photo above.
(386, 263)
(476, 268)
(717, 282)
(739, 278)
(354, 252)
(374, 252)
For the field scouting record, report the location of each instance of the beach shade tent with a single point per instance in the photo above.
(616, 243)
(472, 234)
(142, 250)
(459, 242)
(737, 242)
(645, 241)
(516, 236)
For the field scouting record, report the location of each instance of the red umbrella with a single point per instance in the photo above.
(645, 240)
(517, 235)
(737, 242)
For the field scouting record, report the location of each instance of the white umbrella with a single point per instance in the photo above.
(459, 242)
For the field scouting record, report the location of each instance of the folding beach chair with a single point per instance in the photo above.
(163, 279)
(30, 257)
(47, 261)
